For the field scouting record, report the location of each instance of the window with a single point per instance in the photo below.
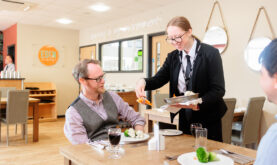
(122, 56)
(110, 56)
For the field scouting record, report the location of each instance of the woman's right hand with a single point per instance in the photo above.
(140, 88)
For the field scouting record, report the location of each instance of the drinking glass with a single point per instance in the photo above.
(114, 139)
(194, 126)
(201, 135)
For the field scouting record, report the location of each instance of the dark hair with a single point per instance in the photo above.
(268, 57)
(80, 70)
(11, 57)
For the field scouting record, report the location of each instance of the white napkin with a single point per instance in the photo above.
(99, 144)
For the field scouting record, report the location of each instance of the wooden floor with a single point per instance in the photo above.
(44, 152)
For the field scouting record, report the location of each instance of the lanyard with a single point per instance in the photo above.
(182, 66)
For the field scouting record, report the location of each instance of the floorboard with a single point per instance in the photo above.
(44, 152)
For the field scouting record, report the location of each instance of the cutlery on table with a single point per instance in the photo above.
(173, 157)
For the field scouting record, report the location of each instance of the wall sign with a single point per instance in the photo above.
(48, 55)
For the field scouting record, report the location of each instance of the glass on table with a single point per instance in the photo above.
(114, 139)
(193, 127)
(114, 135)
(201, 135)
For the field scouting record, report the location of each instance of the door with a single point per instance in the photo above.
(160, 49)
(88, 52)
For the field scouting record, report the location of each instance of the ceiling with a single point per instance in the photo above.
(45, 12)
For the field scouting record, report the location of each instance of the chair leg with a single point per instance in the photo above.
(15, 129)
(0, 131)
(26, 133)
(7, 134)
(22, 130)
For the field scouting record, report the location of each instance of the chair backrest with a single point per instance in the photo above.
(5, 90)
(227, 119)
(251, 120)
(159, 99)
(17, 106)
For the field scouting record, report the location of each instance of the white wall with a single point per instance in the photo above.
(239, 16)
(30, 39)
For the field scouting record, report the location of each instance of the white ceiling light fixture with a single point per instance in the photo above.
(124, 28)
(64, 21)
(100, 7)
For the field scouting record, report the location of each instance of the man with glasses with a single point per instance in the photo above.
(95, 110)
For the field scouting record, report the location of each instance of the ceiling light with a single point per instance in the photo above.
(100, 7)
(123, 28)
(64, 21)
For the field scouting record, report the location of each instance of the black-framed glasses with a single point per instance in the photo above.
(98, 79)
(177, 39)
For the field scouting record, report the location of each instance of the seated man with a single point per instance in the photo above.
(95, 110)
(266, 154)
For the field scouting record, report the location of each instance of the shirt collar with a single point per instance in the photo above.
(192, 52)
(83, 97)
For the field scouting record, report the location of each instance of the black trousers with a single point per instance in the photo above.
(214, 127)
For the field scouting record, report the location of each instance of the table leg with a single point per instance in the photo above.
(149, 123)
(35, 122)
(67, 161)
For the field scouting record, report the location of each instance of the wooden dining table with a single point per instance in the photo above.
(151, 115)
(137, 154)
(33, 103)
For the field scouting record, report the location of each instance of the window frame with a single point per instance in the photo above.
(120, 55)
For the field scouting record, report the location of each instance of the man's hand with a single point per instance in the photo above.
(139, 127)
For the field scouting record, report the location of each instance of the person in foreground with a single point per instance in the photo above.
(196, 67)
(267, 150)
(95, 110)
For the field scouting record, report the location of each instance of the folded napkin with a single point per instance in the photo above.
(238, 158)
(99, 144)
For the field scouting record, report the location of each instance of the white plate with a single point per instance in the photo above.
(191, 159)
(125, 139)
(170, 132)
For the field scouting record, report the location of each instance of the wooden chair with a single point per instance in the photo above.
(5, 90)
(159, 99)
(251, 124)
(227, 120)
(16, 111)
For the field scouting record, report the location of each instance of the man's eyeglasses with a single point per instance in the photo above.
(98, 79)
(177, 39)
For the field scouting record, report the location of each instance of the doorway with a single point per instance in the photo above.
(11, 51)
(87, 52)
(158, 51)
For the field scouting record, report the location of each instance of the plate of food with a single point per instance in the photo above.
(170, 132)
(189, 96)
(201, 156)
(132, 136)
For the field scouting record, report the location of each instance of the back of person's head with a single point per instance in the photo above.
(268, 57)
(80, 70)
